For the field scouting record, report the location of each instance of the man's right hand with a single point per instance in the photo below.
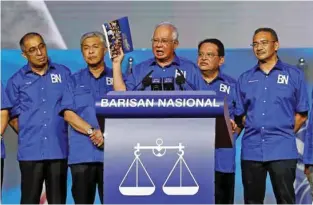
(117, 59)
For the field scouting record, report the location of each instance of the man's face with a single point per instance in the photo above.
(264, 45)
(208, 58)
(35, 51)
(163, 44)
(93, 50)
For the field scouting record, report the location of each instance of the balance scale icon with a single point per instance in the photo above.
(149, 190)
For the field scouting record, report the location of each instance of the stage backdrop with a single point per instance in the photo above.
(237, 61)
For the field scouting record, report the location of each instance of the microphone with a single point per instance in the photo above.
(146, 81)
(156, 84)
(182, 80)
(302, 64)
(168, 83)
(130, 65)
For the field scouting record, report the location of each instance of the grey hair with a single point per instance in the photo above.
(175, 31)
(92, 34)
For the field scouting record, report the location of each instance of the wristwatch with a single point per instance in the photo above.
(90, 131)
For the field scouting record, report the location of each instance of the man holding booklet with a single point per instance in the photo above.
(166, 71)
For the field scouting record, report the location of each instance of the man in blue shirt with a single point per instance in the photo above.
(35, 91)
(210, 58)
(308, 150)
(272, 105)
(5, 108)
(163, 69)
(86, 130)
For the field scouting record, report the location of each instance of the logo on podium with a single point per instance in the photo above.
(159, 150)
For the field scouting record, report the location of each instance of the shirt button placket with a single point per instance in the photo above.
(263, 112)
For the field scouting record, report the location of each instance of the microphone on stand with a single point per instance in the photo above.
(146, 81)
(156, 84)
(168, 83)
(302, 64)
(130, 65)
(182, 80)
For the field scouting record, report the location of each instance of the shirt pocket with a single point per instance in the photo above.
(283, 93)
(83, 97)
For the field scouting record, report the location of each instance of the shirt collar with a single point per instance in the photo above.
(279, 66)
(175, 61)
(28, 69)
(104, 72)
(220, 76)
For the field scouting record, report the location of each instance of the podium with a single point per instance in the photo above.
(159, 146)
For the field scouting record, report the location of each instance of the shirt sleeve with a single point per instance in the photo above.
(5, 101)
(12, 92)
(302, 94)
(238, 99)
(197, 80)
(308, 141)
(231, 101)
(67, 101)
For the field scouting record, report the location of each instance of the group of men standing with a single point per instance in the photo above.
(53, 112)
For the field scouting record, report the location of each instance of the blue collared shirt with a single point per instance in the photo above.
(42, 132)
(224, 157)
(80, 97)
(188, 68)
(270, 102)
(5, 105)
(308, 142)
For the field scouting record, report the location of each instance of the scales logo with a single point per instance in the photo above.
(159, 151)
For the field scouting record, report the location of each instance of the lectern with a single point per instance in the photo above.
(159, 146)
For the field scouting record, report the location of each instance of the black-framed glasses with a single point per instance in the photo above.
(33, 50)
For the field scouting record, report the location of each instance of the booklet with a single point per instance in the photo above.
(118, 35)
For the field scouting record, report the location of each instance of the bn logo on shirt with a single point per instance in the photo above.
(282, 79)
(56, 78)
(224, 88)
(109, 81)
(177, 73)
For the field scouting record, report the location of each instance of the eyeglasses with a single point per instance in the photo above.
(33, 50)
(207, 55)
(162, 41)
(262, 43)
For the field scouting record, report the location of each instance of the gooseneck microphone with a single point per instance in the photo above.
(180, 80)
(156, 84)
(168, 83)
(146, 81)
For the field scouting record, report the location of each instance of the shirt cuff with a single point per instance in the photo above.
(64, 108)
(302, 108)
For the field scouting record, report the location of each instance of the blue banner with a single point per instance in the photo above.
(168, 104)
